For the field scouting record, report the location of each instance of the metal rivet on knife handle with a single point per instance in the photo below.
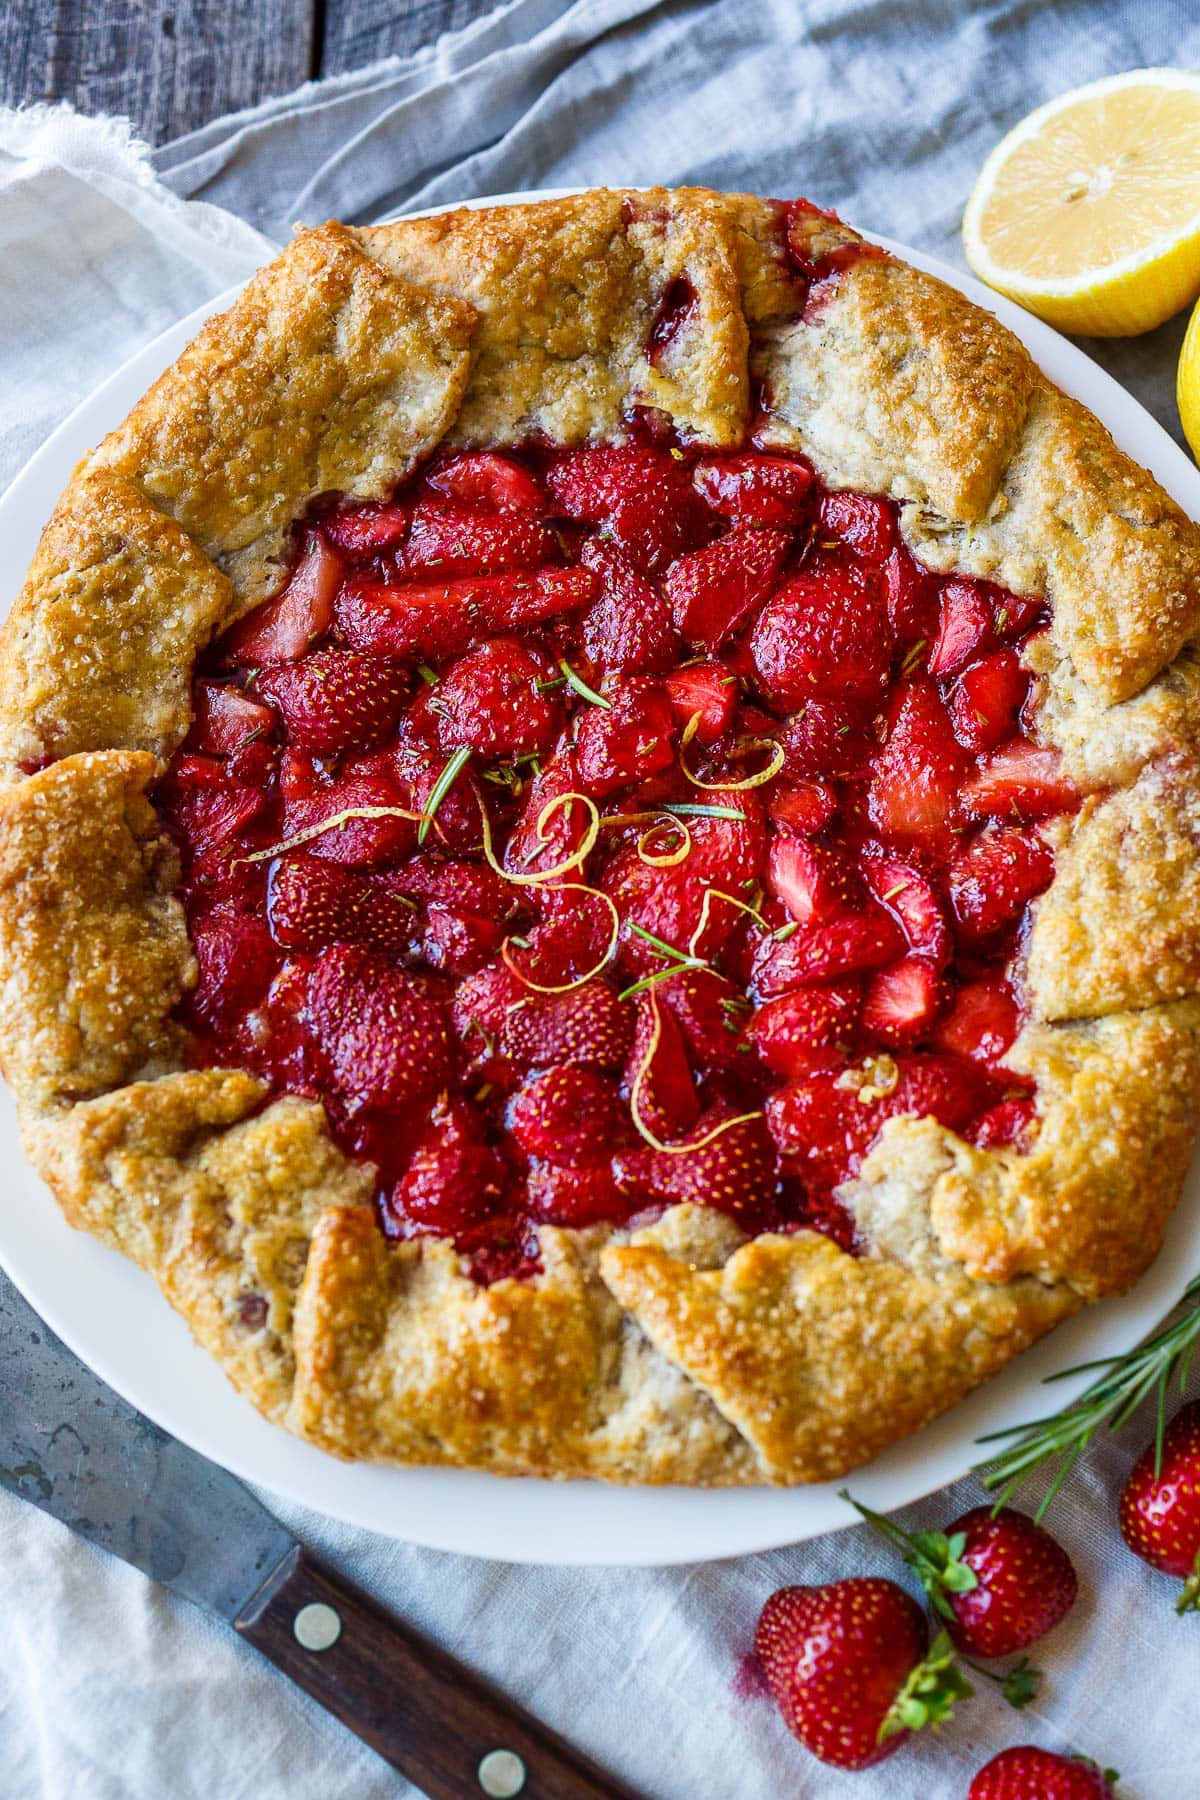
(501, 1774)
(318, 1627)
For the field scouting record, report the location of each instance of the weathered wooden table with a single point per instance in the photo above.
(171, 65)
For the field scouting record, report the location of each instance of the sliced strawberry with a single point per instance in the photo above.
(626, 740)
(433, 620)
(706, 692)
(827, 740)
(823, 635)
(464, 887)
(863, 523)
(628, 630)
(659, 522)
(383, 1037)
(454, 540)
(816, 882)
(1008, 1126)
(982, 1021)
(336, 700)
(454, 1178)
(493, 700)
(312, 903)
(364, 530)
(912, 598)
(987, 699)
(756, 489)
(1020, 781)
(237, 962)
(587, 484)
(668, 902)
(203, 805)
(736, 1172)
(846, 945)
(916, 775)
(965, 629)
(570, 941)
(1016, 615)
(584, 1194)
(482, 478)
(364, 842)
(806, 807)
(995, 876)
(587, 1025)
(912, 900)
(288, 626)
(457, 943)
(480, 1007)
(710, 1011)
(715, 591)
(668, 1103)
(902, 1002)
(568, 1115)
(225, 720)
(808, 1030)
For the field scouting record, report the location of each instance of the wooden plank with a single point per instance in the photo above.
(168, 64)
(360, 31)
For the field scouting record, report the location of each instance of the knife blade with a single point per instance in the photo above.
(81, 1453)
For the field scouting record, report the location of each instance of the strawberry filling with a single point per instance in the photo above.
(594, 830)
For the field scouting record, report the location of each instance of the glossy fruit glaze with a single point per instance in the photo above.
(593, 830)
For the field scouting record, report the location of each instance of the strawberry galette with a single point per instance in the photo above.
(600, 863)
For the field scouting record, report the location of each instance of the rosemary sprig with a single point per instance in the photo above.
(1062, 1437)
(441, 788)
(581, 687)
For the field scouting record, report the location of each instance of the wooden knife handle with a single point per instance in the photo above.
(428, 1715)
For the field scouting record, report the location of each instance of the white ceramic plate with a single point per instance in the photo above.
(113, 1316)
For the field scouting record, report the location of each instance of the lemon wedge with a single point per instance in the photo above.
(1187, 384)
(1088, 212)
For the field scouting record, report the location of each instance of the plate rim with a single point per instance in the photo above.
(525, 1519)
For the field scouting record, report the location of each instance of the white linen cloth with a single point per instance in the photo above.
(109, 1688)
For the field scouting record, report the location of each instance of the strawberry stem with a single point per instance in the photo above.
(934, 1557)
(929, 1694)
(1189, 1599)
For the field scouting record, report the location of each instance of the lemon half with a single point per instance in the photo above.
(1088, 212)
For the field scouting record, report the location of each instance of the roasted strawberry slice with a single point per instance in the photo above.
(824, 635)
(454, 540)
(587, 484)
(813, 1028)
(455, 1178)
(625, 740)
(806, 807)
(581, 1195)
(902, 1002)
(1008, 1126)
(439, 619)
(463, 887)
(236, 961)
(551, 825)
(816, 882)
(494, 701)
(658, 1075)
(669, 903)
(756, 489)
(912, 599)
(456, 943)
(225, 720)
(336, 700)
(480, 1007)
(912, 900)
(706, 692)
(865, 525)
(827, 740)
(986, 700)
(917, 773)
(1020, 781)
(568, 1115)
(995, 876)
(714, 592)
(735, 1172)
(364, 530)
(628, 630)
(846, 945)
(312, 903)
(965, 627)
(587, 1025)
(288, 626)
(204, 805)
(710, 1011)
(483, 478)
(658, 523)
(982, 1021)
(386, 832)
(383, 1037)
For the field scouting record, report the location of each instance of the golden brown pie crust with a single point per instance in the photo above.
(680, 1352)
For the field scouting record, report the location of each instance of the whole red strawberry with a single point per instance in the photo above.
(845, 1666)
(1027, 1773)
(1160, 1505)
(998, 1579)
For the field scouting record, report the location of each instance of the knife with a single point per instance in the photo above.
(89, 1459)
